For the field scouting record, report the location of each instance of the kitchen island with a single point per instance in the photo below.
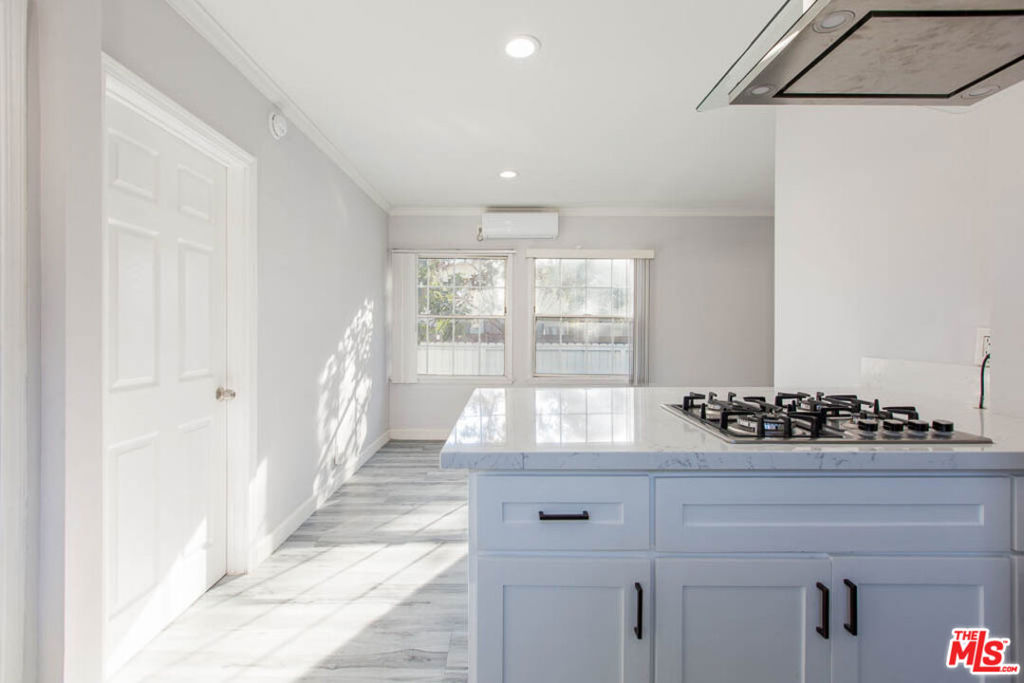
(611, 540)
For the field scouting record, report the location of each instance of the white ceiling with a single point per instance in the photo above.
(421, 99)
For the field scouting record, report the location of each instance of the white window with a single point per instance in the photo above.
(461, 318)
(583, 316)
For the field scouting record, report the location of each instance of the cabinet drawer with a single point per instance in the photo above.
(580, 513)
(845, 514)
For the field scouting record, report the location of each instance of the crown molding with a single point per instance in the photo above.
(667, 212)
(437, 210)
(210, 29)
(618, 211)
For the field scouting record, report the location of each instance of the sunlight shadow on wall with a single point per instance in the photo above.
(345, 385)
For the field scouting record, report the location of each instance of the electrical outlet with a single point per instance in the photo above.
(982, 344)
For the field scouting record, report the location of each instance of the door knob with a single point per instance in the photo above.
(225, 394)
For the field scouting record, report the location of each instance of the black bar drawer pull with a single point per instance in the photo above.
(823, 629)
(639, 628)
(851, 625)
(581, 517)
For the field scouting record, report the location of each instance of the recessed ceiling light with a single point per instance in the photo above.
(980, 91)
(509, 175)
(834, 20)
(762, 90)
(522, 47)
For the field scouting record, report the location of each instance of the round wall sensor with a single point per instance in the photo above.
(833, 20)
(278, 125)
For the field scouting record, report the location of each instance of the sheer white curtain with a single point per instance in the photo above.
(402, 338)
(639, 373)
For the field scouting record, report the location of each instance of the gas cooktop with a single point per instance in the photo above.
(821, 418)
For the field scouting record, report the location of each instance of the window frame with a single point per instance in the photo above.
(556, 378)
(506, 376)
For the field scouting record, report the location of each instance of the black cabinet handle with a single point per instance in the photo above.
(581, 517)
(823, 629)
(639, 628)
(851, 625)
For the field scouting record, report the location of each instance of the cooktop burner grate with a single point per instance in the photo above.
(819, 418)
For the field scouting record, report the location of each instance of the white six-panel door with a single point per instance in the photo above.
(164, 431)
(723, 620)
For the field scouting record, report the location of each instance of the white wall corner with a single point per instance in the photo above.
(71, 586)
(16, 543)
(210, 29)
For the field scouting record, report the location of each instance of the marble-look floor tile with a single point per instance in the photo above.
(371, 588)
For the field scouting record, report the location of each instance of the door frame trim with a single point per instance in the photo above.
(16, 544)
(241, 291)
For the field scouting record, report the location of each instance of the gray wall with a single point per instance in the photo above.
(711, 299)
(322, 263)
(898, 238)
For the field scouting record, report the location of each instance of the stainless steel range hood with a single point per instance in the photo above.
(925, 52)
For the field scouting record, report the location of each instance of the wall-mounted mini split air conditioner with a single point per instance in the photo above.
(518, 225)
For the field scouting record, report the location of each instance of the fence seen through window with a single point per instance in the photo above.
(461, 316)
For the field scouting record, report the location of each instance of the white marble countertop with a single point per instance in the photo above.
(625, 428)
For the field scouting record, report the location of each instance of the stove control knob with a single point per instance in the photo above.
(944, 426)
(893, 426)
(919, 426)
(867, 425)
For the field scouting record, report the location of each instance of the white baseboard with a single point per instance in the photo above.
(262, 548)
(368, 452)
(420, 434)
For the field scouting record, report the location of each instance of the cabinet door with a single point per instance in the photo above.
(722, 620)
(1018, 609)
(562, 620)
(906, 609)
